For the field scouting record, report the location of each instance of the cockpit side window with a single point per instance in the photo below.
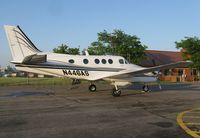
(121, 61)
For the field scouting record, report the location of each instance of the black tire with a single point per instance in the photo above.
(92, 88)
(116, 93)
(145, 88)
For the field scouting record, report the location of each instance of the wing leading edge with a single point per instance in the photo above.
(158, 68)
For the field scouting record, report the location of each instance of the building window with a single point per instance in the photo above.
(71, 61)
(173, 72)
(166, 72)
(194, 72)
(180, 72)
(96, 61)
(103, 61)
(121, 61)
(85, 61)
(110, 61)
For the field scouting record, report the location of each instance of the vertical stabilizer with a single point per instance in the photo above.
(20, 45)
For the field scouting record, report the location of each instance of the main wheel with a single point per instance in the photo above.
(145, 88)
(116, 93)
(92, 88)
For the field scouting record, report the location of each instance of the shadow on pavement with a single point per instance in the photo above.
(168, 86)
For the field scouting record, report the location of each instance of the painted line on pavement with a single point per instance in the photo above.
(184, 125)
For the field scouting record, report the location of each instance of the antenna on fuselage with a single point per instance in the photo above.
(85, 52)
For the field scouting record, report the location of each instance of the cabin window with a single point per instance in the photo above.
(71, 61)
(121, 61)
(85, 61)
(96, 61)
(110, 61)
(103, 61)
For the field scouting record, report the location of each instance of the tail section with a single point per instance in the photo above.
(20, 45)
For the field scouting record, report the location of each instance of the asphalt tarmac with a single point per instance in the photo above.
(74, 112)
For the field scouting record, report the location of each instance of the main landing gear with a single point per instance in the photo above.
(92, 88)
(145, 88)
(116, 92)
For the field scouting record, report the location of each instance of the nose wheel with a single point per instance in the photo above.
(116, 92)
(92, 88)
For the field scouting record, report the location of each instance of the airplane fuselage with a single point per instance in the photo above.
(83, 67)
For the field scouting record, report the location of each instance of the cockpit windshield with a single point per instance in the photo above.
(126, 62)
(123, 61)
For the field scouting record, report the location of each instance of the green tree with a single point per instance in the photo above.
(64, 49)
(190, 50)
(73, 51)
(97, 48)
(9, 70)
(118, 43)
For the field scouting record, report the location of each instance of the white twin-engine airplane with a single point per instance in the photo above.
(27, 57)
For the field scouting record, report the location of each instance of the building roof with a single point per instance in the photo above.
(155, 58)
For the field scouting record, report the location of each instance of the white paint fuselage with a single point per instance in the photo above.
(59, 65)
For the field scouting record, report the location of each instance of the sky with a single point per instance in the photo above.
(49, 23)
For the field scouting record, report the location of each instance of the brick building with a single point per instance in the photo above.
(179, 74)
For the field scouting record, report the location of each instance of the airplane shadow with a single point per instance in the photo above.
(168, 86)
(136, 89)
(24, 94)
(165, 87)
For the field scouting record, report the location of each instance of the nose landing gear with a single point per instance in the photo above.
(116, 92)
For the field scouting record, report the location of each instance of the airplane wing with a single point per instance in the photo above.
(157, 68)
